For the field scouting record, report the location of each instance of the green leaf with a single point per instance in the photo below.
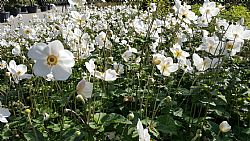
(115, 118)
(247, 131)
(166, 125)
(183, 91)
(222, 97)
(98, 117)
(54, 127)
(34, 135)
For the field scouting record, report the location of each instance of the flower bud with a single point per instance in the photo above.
(45, 116)
(168, 99)
(77, 133)
(84, 88)
(27, 111)
(224, 127)
(151, 80)
(156, 61)
(131, 116)
(80, 98)
(7, 74)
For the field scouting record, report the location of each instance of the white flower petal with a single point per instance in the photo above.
(5, 112)
(37, 52)
(12, 66)
(246, 34)
(84, 88)
(55, 47)
(40, 68)
(61, 72)
(66, 58)
(22, 69)
(3, 119)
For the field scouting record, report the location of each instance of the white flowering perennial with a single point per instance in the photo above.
(52, 58)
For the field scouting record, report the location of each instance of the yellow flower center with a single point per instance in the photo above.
(52, 60)
(19, 73)
(229, 46)
(178, 53)
(27, 31)
(207, 11)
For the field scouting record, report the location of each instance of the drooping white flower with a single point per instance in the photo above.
(167, 66)
(221, 25)
(129, 54)
(153, 7)
(143, 133)
(110, 75)
(158, 58)
(186, 65)
(102, 40)
(224, 127)
(84, 88)
(79, 18)
(90, 66)
(4, 113)
(119, 68)
(204, 64)
(18, 72)
(184, 12)
(52, 58)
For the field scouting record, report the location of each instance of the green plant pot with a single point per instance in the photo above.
(4, 16)
(44, 8)
(32, 9)
(24, 9)
(15, 11)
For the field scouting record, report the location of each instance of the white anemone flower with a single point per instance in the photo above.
(179, 53)
(143, 133)
(232, 47)
(18, 72)
(139, 26)
(102, 40)
(108, 75)
(84, 88)
(209, 9)
(204, 64)
(211, 45)
(16, 51)
(3, 64)
(28, 32)
(167, 66)
(237, 33)
(52, 58)
(4, 113)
